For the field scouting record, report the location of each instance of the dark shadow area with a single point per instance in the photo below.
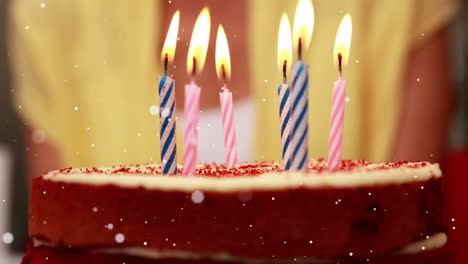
(11, 136)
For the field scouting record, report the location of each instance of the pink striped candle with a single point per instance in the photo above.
(223, 69)
(229, 128)
(336, 131)
(341, 55)
(191, 116)
(195, 62)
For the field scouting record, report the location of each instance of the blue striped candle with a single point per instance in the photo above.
(300, 116)
(286, 124)
(168, 125)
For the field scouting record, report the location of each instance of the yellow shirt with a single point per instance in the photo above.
(85, 74)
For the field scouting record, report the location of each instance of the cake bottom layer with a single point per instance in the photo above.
(431, 251)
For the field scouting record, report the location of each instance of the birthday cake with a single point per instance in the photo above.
(256, 213)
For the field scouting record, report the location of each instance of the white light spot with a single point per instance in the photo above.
(263, 99)
(170, 2)
(42, 5)
(198, 127)
(119, 238)
(453, 228)
(26, 27)
(166, 112)
(418, 79)
(422, 35)
(174, 244)
(95, 209)
(92, 145)
(145, 243)
(370, 194)
(38, 136)
(453, 219)
(357, 61)
(350, 254)
(423, 248)
(266, 81)
(153, 110)
(311, 242)
(347, 99)
(422, 187)
(110, 226)
(139, 134)
(76, 65)
(8, 238)
(197, 197)
(75, 108)
(44, 192)
(19, 106)
(272, 198)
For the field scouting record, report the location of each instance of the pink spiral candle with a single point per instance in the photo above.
(337, 118)
(191, 116)
(229, 128)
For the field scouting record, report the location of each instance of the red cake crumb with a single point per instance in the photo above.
(248, 169)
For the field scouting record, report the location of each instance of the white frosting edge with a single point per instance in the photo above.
(433, 242)
(268, 181)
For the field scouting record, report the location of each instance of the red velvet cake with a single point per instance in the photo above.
(255, 213)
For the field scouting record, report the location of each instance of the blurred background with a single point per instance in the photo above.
(55, 58)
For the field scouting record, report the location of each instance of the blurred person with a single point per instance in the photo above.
(86, 76)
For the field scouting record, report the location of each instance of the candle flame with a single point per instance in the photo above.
(199, 42)
(223, 59)
(303, 23)
(343, 39)
(171, 38)
(284, 41)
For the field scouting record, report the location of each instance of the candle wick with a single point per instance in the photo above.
(340, 65)
(299, 48)
(223, 73)
(284, 71)
(166, 62)
(194, 69)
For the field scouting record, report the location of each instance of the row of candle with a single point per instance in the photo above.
(293, 106)
(195, 62)
(293, 101)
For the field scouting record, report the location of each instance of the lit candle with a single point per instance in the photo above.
(167, 102)
(195, 62)
(303, 26)
(285, 56)
(223, 69)
(340, 55)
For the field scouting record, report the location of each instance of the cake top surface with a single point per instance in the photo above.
(252, 176)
